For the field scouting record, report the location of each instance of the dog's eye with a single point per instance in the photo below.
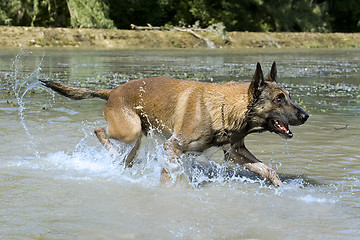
(280, 97)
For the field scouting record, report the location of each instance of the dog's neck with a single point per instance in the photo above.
(229, 108)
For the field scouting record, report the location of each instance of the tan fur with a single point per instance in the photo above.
(77, 93)
(194, 116)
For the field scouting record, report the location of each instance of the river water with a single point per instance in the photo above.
(57, 181)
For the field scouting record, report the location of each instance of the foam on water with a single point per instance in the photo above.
(96, 163)
(312, 199)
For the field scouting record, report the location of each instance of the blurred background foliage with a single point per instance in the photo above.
(235, 15)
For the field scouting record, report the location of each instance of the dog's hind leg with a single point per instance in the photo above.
(124, 125)
(104, 139)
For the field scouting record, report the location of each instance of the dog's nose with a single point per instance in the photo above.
(304, 116)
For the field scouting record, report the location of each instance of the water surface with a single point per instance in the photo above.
(57, 181)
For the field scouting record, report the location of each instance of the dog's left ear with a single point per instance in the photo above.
(257, 82)
(271, 77)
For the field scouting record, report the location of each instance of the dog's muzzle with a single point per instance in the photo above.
(282, 129)
(304, 116)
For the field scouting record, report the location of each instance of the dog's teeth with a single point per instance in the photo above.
(281, 127)
(277, 123)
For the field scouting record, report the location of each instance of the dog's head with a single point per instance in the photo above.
(271, 107)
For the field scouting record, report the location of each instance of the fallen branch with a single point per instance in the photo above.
(339, 128)
(149, 27)
(209, 43)
(272, 42)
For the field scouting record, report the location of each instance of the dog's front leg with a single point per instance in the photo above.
(241, 155)
(264, 171)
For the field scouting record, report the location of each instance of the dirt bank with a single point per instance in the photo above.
(28, 37)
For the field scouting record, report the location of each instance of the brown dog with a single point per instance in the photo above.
(194, 116)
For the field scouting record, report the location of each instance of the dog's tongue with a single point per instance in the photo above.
(284, 129)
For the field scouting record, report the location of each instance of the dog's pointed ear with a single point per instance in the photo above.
(271, 77)
(257, 82)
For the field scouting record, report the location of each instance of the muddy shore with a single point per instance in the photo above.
(36, 37)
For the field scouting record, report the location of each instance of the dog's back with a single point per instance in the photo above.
(176, 106)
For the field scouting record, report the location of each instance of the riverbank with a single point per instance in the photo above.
(36, 37)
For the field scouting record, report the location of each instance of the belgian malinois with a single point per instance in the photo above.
(194, 116)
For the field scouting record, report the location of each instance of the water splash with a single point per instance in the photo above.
(21, 86)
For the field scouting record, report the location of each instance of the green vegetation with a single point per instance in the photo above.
(235, 15)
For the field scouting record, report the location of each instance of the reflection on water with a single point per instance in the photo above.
(57, 181)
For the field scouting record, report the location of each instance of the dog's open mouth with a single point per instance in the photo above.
(282, 129)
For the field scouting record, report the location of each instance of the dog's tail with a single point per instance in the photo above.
(75, 92)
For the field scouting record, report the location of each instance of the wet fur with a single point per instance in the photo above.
(194, 116)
